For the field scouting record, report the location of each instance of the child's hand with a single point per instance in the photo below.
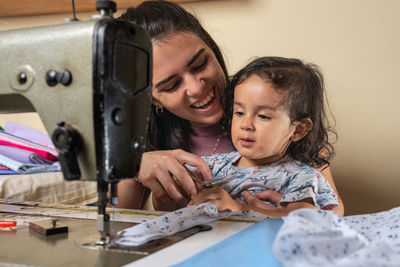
(219, 197)
(267, 195)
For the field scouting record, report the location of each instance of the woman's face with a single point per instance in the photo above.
(187, 79)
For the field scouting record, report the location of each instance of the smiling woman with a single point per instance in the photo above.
(10, 8)
(191, 83)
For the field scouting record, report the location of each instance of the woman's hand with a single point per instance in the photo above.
(164, 174)
(267, 195)
(219, 197)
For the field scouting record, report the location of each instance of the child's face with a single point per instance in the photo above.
(261, 128)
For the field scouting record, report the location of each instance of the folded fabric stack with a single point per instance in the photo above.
(25, 150)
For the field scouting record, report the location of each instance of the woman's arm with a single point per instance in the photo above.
(131, 194)
(171, 205)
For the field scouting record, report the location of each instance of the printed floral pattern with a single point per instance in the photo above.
(293, 179)
(176, 221)
(323, 238)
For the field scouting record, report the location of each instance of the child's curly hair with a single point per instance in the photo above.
(303, 88)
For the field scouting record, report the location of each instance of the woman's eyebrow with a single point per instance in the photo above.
(165, 80)
(193, 59)
(196, 56)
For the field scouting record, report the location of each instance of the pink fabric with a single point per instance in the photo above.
(42, 153)
(203, 141)
(2, 167)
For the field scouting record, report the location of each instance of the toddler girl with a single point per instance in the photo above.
(280, 131)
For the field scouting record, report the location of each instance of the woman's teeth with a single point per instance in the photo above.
(205, 101)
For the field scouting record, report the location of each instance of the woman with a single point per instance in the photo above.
(189, 77)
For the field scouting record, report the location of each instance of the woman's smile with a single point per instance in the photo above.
(205, 102)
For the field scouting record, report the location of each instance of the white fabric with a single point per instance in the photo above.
(27, 168)
(322, 238)
(175, 222)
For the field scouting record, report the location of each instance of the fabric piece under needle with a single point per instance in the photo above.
(175, 222)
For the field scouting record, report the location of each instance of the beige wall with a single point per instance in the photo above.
(356, 43)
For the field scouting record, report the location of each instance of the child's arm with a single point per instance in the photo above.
(328, 176)
(224, 202)
(259, 198)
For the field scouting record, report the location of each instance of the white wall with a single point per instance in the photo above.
(355, 42)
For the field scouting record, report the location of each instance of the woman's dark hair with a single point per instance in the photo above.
(302, 86)
(160, 18)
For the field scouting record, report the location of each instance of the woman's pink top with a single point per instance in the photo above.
(204, 140)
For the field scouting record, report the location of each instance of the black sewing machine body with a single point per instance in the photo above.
(92, 77)
(90, 82)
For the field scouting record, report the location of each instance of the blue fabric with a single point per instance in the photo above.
(250, 247)
(5, 171)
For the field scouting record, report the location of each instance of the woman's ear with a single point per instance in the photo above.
(156, 103)
(302, 128)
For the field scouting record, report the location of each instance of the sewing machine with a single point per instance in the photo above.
(90, 82)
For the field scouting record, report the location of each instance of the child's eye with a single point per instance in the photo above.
(264, 117)
(238, 113)
(200, 66)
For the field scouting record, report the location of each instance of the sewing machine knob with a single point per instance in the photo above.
(64, 77)
(22, 78)
(51, 78)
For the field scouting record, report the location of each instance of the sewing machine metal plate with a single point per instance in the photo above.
(23, 246)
